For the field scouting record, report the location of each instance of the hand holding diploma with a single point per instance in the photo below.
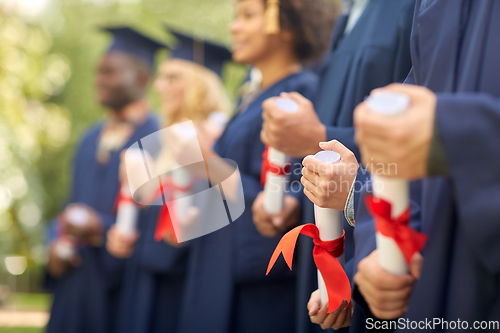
(327, 179)
(270, 225)
(276, 166)
(120, 245)
(296, 134)
(83, 223)
(318, 314)
(327, 185)
(397, 146)
(386, 294)
(389, 206)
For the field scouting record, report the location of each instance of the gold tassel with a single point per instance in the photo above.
(272, 17)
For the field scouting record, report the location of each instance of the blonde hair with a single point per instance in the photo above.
(204, 94)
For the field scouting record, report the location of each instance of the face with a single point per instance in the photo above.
(171, 84)
(250, 43)
(118, 81)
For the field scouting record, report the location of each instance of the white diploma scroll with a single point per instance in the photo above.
(182, 178)
(274, 188)
(328, 221)
(393, 190)
(127, 213)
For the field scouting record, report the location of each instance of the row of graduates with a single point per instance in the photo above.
(217, 283)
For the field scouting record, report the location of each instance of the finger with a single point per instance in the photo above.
(310, 195)
(309, 185)
(319, 318)
(268, 105)
(332, 317)
(313, 164)
(314, 304)
(264, 138)
(310, 176)
(296, 97)
(337, 147)
(339, 322)
(416, 265)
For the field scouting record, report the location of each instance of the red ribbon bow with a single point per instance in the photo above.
(409, 240)
(167, 217)
(271, 167)
(325, 255)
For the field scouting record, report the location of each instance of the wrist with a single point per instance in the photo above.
(317, 135)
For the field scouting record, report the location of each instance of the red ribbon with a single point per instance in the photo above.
(325, 255)
(120, 197)
(268, 166)
(167, 217)
(409, 240)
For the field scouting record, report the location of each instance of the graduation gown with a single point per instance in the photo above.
(375, 53)
(455, 52)
(461, 271)
(227, 286)
(85, 299)
(153, 281)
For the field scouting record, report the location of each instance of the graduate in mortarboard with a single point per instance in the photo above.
(85, 295)
(448, 137)
(227, 289)
(369, 49)
(189, 88)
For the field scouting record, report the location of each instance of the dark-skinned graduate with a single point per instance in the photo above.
(369, 48)
(85, 295)
(448, 138)
(189, 88)
(227, 289)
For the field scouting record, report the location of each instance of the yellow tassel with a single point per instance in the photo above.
(272, 17)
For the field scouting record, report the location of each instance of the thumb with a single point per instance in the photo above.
(416, 265)
(278, 221)
(295, 96)
(337, 147)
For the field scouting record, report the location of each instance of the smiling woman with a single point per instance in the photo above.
(227, 289)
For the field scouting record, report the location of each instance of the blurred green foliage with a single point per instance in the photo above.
(47, 67)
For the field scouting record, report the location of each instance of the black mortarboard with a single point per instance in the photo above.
(131, 41)
(206, 53)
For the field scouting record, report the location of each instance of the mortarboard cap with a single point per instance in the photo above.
(131, 41)
(206, 53)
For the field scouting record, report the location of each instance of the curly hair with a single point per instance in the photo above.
(311, 22)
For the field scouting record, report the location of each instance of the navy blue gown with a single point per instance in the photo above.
(375, 53)
(85, 299)
(227, 286)
(153, 281)
(455, 52)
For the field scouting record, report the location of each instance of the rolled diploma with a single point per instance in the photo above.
(328, 221)
(393, 190)
(274, 188)
(181, 178)
(127, 214)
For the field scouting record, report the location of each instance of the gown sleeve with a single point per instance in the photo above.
(469, 127)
